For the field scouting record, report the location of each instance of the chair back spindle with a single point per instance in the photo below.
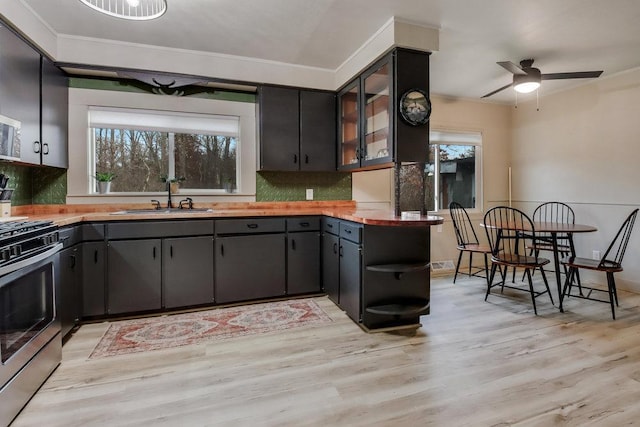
(465, 232)
(615, 253)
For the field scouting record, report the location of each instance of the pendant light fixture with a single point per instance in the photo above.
(137, 10)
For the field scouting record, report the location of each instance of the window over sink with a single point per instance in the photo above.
(142, 146)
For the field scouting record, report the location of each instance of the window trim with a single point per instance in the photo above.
(438, 136)
(79, 184)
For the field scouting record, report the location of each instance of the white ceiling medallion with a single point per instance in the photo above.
(137, 10)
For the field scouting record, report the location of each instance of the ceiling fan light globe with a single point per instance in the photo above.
(526, 87)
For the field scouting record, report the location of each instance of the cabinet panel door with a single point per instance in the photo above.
(67, 281)
(133, 282)
(350, 277)
(249, 267)
(279, 129)
(330, 267)
(303, 263)
(349, 132)
(317, 131)
(93, 279)
(188, 271)
(55, 111)
(20, 91)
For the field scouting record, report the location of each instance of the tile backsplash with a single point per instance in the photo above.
(292, 186)
(35, 185)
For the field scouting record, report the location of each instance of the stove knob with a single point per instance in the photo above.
(5, 255)
(16, 250)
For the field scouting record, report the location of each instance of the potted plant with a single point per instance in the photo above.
(172, 183)
(104, 181)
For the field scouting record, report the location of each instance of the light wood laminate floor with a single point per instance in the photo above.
(472, 363)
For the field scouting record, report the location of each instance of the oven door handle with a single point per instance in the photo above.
(31, 260)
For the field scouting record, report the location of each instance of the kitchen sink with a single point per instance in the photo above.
(162, 211)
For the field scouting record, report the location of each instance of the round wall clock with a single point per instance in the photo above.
(415, 107)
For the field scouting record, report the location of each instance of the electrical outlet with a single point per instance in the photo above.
(309, 193)
(596, 255)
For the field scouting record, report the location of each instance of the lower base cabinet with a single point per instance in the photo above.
(303, 263)
(93, 257)
(187, 267)
(67, 282)
(250, 267)
(331, 266)
(350, 278)
(133, 282)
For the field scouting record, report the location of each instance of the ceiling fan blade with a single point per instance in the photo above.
(511, 67)
(576, 75)
(497, 90)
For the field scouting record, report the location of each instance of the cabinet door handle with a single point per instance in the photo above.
(45, 148)
(222, 250)
(306, 158)
(154, 252)
(171, 251)
(252, 225)
(293, 244)
(346, 230)
(295, 158)
(329, 225)
(340, 251)
(304, 224)
(72, 261)
(95, 256)
(335, 248)
(36, 146)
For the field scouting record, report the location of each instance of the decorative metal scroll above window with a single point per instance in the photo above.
(166, 84)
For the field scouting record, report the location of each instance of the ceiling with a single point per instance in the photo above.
(562, 36)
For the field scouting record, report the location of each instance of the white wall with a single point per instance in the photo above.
(582, 148)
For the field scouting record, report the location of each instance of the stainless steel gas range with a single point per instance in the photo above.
(30, 342)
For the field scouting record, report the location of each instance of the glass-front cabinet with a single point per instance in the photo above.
(365, 124)
(349, 138)
(376, 124)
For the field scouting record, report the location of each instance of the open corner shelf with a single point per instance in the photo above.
(410, 307)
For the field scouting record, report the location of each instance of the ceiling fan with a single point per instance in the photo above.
(526, 78)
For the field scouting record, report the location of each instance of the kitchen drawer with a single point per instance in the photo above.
(330, 225)
(145, 230)
(303, 223)
(351, 231)
(92, 232)
(250, 226)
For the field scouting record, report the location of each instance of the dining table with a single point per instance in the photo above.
(556, 231)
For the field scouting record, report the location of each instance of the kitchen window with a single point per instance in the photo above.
(142, 146)
(454, 170)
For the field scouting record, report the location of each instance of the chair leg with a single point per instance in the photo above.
(457, 267)
(546, 284)
(470, 262)
(533, 297)
(503, 272)
(611, 286)
(490, 281)
(566, 291)
(486, 268)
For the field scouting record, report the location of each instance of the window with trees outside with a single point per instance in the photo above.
(143, 148)
(453, 173)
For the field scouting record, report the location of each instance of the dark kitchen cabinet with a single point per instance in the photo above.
(371, 133)
(297, 129)
(68, 288)
(55, 116)
(133, 282)
(92, 258)
(331, 267)
(303, 255)
(250, 259)
(187, 265)
(20, 90)
(34, 92)
(350, 278)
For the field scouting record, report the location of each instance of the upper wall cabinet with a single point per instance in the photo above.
(297, 129)
(20, 90)
(34, 92)
(371, 132)
(55, 116)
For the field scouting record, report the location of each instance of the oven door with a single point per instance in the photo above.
(27, 309)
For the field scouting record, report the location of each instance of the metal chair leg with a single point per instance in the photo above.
(546, 283)
(457, 267)
(490, 281)
(611, 285)
(533, 297)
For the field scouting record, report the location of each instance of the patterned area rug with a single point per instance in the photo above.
(132, 336)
